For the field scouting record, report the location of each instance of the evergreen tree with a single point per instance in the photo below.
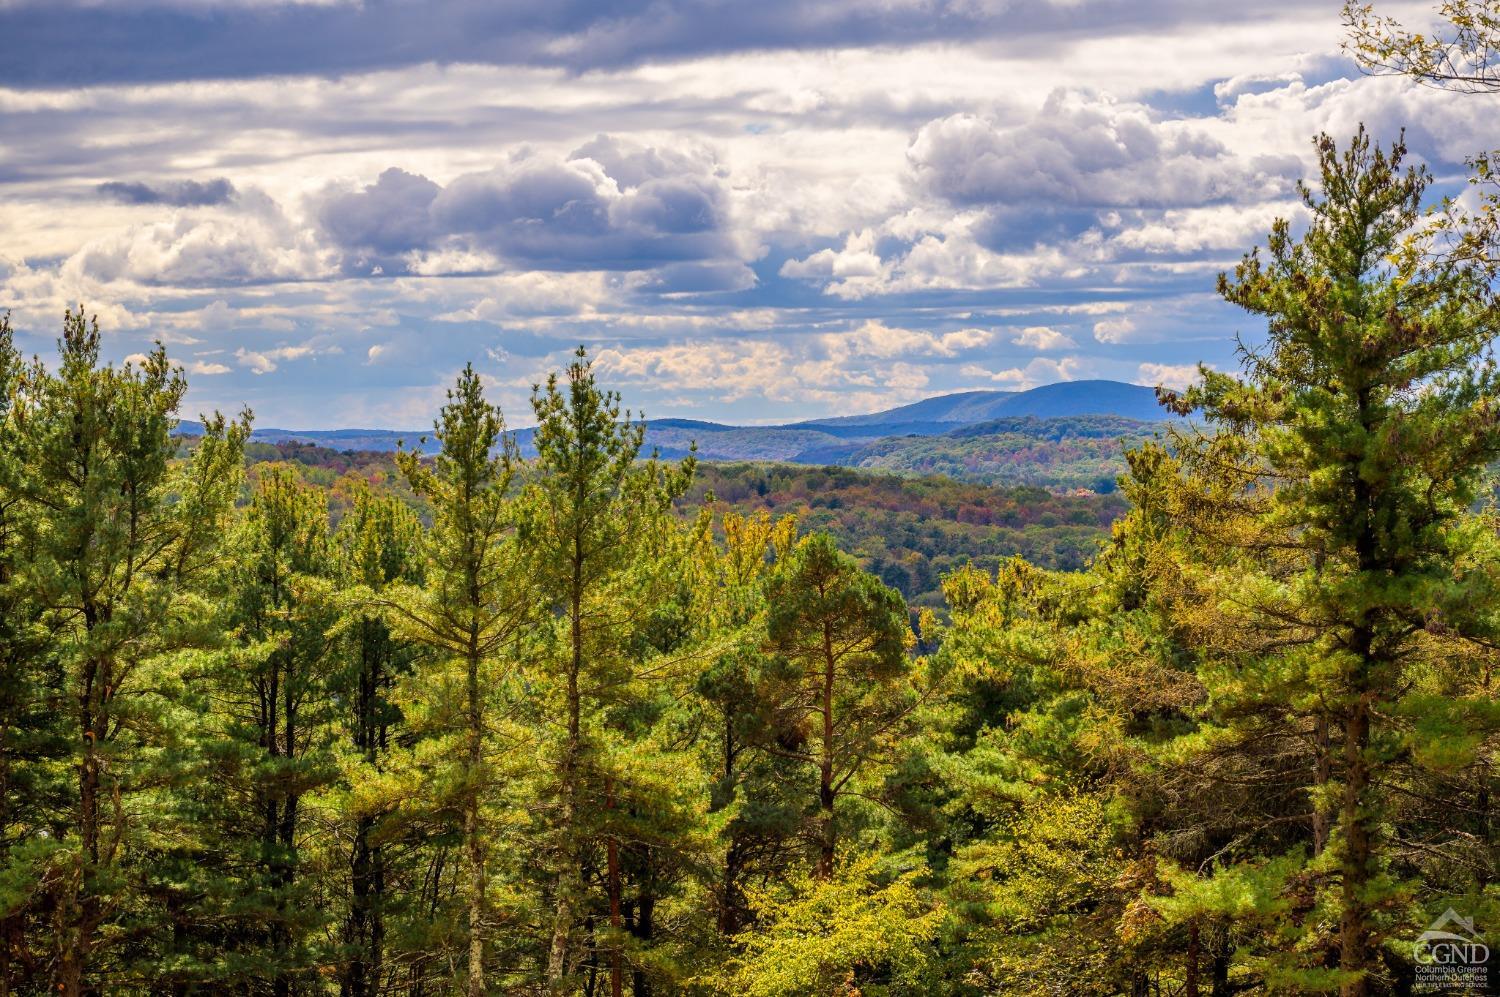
(754, 791)
(1360, 433)
(472, 612)
(119, 536)
(842, 677)
(594, 524)
(33, 740)
(380, 546)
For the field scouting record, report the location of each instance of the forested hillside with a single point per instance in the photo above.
(909, 531)
(1058, 436)
(1085, 452)
(483, 724)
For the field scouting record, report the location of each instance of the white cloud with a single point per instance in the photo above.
(1115, 330)
(875, 339)
(1041, 337)
(1168, 375)
(1042, 370)
(266, 361)
(1089, 149)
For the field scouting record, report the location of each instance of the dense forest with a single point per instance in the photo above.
(528, 727)
(1081, 452)
(909, 531)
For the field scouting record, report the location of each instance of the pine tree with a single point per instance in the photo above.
(33, 740)
(472, 612)
(380, 546)
(120, 536)
(1361, 431)
(593, 524)
(275, 698)
(754, 791)
(840, 638)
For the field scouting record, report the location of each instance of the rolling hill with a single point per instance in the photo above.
(1062, 435)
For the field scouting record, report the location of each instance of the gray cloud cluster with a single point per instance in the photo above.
(133, 40)
(177, 193)
(609, 206)
(1089, 151)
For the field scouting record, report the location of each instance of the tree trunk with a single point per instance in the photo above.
(1190, 983)
(612, 858)
(827, 842)
(1322, 819)
(473, 837)
(1222, 950)
(82, 911)
(568, 874)
(1354, 927)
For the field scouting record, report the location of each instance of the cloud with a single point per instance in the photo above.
(266, 361)
(1041, 337)
(194, 367)
(875, 339)
(573, 216)
(1115, 330)
(139, 40)
(867, 366)
(1089, 150)
(1042, 370)
(386, 218)
(610, 205)
(255, 242)
(177, 193)
(1168, 375)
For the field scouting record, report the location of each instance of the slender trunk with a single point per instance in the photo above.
(644, 928)
(1322, 818)
(1220, 967)
(287, 837)
(729, 897)
(612, 848)
(473, 836)
(729, 902)
(1190, 984)
(568, 873)
(365, 933)
(1354, 927)
(827, 842)
(83, 910)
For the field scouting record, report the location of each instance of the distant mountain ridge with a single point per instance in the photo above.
(1049, 401)
(982, 429)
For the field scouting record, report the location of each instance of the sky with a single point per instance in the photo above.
(750, 211)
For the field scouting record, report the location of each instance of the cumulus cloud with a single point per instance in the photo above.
(875, 339)
(1168, 375)
(256, 242)
(266, 361)
(177, 193)
(386, 218)
(1041, 337)
(1115, 330)
(867, 366)
(1042, 370)
(610, 205)
(1089, 150)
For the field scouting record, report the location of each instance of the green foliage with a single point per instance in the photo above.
(1084, 452)
(860, 932)
(596, 722)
